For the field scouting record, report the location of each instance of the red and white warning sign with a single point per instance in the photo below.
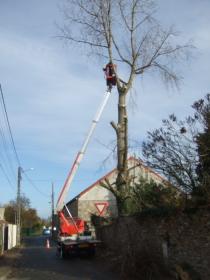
(101, 207)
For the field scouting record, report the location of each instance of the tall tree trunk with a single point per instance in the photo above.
(122, 149)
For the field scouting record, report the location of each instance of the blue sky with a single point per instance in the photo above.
(52, 93)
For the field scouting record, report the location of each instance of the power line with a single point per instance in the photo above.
(7, 178)
(35, 187)
(8, 167)
(9, 127)
(6, 155)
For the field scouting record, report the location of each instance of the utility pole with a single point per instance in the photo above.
(53, 211)
(18, 219)
(53, 208)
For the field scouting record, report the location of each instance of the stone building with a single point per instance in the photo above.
(8, 233)
(2, 210)
(99, 201)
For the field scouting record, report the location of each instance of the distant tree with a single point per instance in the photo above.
(47, 221)
(24, 202)
(126, 32)
(10, 213)
(11, 208)
(29, 217)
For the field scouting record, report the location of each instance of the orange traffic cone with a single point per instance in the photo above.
(47, 244)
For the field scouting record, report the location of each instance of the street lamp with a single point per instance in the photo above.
(20, 170)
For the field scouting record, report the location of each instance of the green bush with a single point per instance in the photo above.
(151, 197)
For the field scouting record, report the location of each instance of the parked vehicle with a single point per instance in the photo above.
(46, 231)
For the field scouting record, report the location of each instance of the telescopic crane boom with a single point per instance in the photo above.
(80, 155)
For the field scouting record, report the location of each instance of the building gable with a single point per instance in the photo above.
(136, 169)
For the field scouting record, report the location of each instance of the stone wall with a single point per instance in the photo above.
(181, 238)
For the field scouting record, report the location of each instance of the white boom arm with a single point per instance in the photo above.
(80, 155)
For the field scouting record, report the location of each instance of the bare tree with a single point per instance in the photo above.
(172, 151)
(126, 32)
(180, 150)
(202, 114)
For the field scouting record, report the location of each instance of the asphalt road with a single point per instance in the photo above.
(35, 261)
